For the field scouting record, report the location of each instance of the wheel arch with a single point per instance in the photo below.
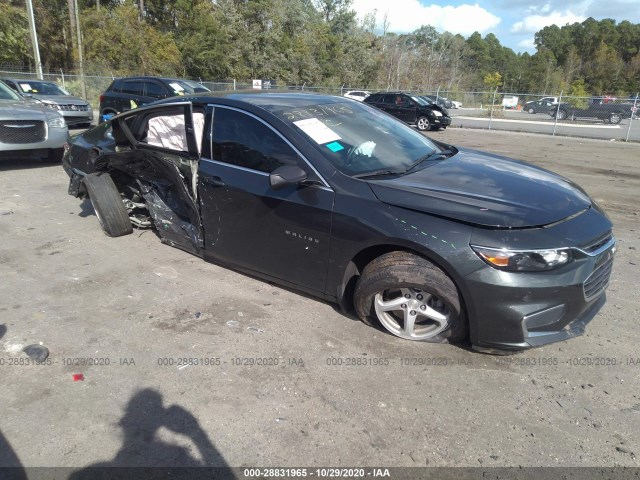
(369, 253)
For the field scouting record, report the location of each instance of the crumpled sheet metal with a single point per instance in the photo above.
(170, 215)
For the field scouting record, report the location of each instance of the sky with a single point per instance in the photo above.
(514, 22)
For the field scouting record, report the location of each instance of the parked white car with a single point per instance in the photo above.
(456, 104)
(359, 95)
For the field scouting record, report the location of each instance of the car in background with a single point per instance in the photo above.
(455, 104)
(359, 95)
(28, 129)
(411, 109)
(76, 111)
(440, 101)
(131, 92)
(537, 106)
(598, 109)
(340, 200)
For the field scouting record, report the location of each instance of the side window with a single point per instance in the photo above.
(132, 88)
(154, 90)
(390, 99)
(240, 139)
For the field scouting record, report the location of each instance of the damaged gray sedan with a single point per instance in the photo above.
(340, 200)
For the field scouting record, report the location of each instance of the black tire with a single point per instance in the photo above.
(423, 124)
(531, 110)
(107, 203)
(561, 115)
(397, 270)
(615, 118)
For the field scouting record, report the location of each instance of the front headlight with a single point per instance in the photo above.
(57, 122)
(437, 113)
(523, 260)
(49, 104)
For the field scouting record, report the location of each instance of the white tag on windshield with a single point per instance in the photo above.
(317, 130)
(176, 88)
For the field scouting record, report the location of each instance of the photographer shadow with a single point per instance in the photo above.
(144, 455)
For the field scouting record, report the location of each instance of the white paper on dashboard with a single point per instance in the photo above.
(317, 130)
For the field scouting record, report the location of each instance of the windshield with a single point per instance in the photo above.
(359, 139)
(7, 94)
(41, 88)
(187, 87)
(420, 101)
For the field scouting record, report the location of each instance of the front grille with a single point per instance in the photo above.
(74, 108)
(22, 131)
(596, 243)
(598, 281)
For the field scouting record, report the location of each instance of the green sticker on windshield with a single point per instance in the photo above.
(335, 146)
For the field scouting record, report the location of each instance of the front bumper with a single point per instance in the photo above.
(441, 122)
(77, 117)
(517, 310)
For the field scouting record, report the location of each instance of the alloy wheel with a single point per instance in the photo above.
(411, 313)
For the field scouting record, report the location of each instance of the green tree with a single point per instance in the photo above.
(14, 35)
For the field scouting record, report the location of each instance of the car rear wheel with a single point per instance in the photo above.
(423, 124)
(615, 118)
(411, 298)
(107, 203)
(561, 115)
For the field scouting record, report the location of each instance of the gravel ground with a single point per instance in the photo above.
(124, 312)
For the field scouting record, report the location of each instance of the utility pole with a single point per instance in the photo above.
(80, 63)
(34, 39)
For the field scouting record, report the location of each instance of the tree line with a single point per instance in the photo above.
(314, 42)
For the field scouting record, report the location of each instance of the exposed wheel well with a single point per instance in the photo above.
(363, 258)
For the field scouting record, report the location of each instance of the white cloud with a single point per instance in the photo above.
(534, 23)
(527, 44)
(408, 15)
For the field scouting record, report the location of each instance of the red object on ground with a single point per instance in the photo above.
(78, 377)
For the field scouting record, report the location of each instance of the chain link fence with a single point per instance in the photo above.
(604, 116)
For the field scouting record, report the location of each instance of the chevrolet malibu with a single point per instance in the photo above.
(343, 201)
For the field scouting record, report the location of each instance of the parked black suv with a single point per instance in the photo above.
(411, 109)
(130, 92)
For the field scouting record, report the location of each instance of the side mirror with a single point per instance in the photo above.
(286, 175)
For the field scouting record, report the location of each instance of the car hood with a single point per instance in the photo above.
(61, 99)
(18, 110)
(485, 190)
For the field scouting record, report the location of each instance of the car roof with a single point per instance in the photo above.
(27, 80)
(266, 100)
(151, 77)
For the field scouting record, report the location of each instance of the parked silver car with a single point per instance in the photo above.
(76, 111)
(28, 129)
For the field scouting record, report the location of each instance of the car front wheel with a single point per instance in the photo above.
(531, 110)
(108, 205)
(423, 124)
(411, 298)
(561, 115)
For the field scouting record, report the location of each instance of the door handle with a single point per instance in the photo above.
(214, 181)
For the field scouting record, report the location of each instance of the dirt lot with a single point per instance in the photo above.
(124, 312)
